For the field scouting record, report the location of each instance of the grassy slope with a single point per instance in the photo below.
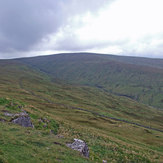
(107, 139)
(138, 78)
(152, 62)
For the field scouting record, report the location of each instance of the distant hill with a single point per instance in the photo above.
(138, 78)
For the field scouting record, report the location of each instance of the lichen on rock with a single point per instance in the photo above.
(81, 146)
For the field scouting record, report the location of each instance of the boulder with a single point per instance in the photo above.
(8, 114)
(22, 120)
(81, 146)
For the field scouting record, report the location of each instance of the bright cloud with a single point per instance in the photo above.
(127, 25)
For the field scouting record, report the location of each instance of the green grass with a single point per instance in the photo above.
(49, 104)
(106, 139)
(26, 145)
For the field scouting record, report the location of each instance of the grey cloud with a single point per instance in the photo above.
(23, 23)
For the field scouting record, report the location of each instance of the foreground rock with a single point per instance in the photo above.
(8, 114)
(81, 146)
(22, 119)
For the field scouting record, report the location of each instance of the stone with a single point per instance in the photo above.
(8, 114)
(22, 120)
(81, 146)
(104, 161)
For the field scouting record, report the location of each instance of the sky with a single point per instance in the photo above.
(120, 27)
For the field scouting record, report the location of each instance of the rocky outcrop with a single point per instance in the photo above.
(81, 146)
(22, 119)
(8, 114)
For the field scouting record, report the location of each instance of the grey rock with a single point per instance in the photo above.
(81, 146)
(24, 113)
(8, 114)
(22, 120)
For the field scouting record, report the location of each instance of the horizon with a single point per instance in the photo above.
(89, 53)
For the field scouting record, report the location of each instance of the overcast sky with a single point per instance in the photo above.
(39, 27)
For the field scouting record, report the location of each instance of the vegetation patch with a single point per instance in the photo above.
(11, 104)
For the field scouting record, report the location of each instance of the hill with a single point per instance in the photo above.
(116, 128)
(140, 79)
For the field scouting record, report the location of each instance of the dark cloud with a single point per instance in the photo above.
(23, 23)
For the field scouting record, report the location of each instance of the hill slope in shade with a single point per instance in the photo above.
(44, 97)
(140, 79)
